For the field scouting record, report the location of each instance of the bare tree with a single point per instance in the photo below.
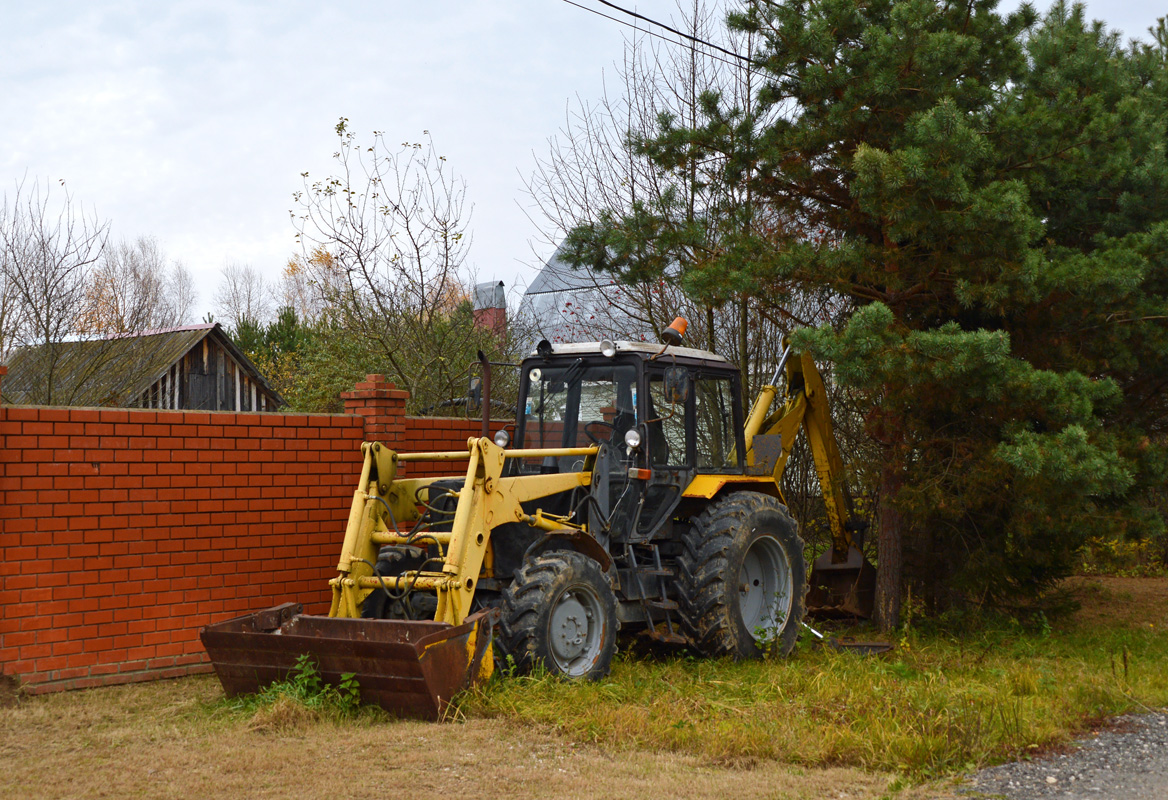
(180, 294)
(385, 243)
(597, 164)
(243, 294)
(10, 309)
(47, 248)
(132, 289)
(300, 285)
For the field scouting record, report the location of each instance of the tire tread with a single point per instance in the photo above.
(702, 569)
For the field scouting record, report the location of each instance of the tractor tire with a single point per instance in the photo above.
(560, 612)
(742, 579)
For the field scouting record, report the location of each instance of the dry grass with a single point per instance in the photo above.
(177, 740)
(938, 705)
(1121, 602)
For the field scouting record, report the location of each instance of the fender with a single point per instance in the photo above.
(579, 541)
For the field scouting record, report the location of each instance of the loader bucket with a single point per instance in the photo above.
(409, 668)
(846, 589)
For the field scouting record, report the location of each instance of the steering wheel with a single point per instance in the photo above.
(592, 436)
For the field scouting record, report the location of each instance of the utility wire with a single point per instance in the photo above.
(740, 58)
(691, 37)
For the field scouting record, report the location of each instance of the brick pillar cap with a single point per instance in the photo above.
(374, 382)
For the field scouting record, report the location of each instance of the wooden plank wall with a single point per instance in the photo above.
(207, 378)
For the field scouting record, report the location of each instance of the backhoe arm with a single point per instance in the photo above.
(805, 406)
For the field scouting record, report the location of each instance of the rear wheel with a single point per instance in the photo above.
(560, 611)
(742, 578)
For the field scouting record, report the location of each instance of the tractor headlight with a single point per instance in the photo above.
(502, 438)
(608, 348)
(633, 438)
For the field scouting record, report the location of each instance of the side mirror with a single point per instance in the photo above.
(677, 385)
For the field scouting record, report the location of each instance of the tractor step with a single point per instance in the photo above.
(666, 637)
(661, 605)
(655, 573)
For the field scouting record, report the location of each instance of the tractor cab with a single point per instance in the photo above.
(661, 416)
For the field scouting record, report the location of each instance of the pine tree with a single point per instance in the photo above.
(985, 193)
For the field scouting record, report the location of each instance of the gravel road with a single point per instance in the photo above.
(1128, 761)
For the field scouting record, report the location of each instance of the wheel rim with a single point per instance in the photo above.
(577, 631)
(765, 593)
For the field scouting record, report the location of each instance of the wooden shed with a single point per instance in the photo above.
(189, 367)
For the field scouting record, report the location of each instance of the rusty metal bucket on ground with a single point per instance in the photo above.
(409, 668)
(845, 589)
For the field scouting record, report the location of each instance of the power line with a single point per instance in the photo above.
(740, 58)
(691, 37)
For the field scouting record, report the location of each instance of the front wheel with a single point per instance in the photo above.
(560, 611)
(742, 578)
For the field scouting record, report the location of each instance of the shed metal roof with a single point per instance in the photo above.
(558, 275)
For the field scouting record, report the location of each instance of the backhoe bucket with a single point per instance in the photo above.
(409, 668)
(847, 589)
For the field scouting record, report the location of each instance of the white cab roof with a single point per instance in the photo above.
(593, 348)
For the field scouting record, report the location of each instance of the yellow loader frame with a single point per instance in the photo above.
(382, 502)
(415, 667)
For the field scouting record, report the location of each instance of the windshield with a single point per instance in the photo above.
(573, 404)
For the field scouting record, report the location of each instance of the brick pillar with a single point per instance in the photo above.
(383, 406)
(3, 372)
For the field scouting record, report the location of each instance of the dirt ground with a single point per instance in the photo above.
(159, 740)
(1126, 602)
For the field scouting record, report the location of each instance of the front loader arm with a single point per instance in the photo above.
(485, 501)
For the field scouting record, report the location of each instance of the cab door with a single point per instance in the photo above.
(718, 424)
(666, 451)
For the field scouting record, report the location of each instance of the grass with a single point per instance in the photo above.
(937, 705)
(813, 726)
(289, 704)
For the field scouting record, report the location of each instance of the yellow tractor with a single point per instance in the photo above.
(634, 494)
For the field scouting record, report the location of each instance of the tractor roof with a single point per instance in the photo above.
(651, 348)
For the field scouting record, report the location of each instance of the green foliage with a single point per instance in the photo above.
(305, 685)
(988, 193)
(248, 334)
(321, 361)
(329, 357)
(1129, 558)
(311, 364)
(302, 696)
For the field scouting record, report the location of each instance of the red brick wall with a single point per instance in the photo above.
(428, 434)
(124, 531)
(383, 406)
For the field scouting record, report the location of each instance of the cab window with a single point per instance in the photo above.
(665, 422)
(576, 405)
(714, 423)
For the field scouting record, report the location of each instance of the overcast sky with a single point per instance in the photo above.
(192, 121)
